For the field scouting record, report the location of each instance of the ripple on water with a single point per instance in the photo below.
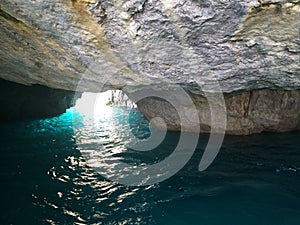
(46, 179)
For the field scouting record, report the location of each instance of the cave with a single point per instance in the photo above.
(150, 112)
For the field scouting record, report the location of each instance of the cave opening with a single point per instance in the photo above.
(101, 105)
(112, 111)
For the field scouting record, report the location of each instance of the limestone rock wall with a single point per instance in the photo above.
(244, 45)
(247, 112)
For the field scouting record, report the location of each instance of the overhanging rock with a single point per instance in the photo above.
(241, 44)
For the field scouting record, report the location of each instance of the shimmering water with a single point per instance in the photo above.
(44, 179)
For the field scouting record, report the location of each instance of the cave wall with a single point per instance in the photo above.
(247, 112)
(30, 102)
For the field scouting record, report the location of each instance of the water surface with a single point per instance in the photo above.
(46, 180)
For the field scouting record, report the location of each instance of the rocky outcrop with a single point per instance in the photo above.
(244, 45)
(247, 112)
(29, 102)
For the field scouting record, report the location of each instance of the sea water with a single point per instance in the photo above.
(45, 178)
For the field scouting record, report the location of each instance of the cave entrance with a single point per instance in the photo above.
(112, 112)
(101, 105)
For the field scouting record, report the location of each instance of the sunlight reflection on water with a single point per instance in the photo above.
(46, 179)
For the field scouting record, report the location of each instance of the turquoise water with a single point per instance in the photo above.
(45, 179)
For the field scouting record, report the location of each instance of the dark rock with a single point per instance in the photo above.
(29, 102)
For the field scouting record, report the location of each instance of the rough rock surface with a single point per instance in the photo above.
(29, 102)
(244, 45)
(247, 112)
